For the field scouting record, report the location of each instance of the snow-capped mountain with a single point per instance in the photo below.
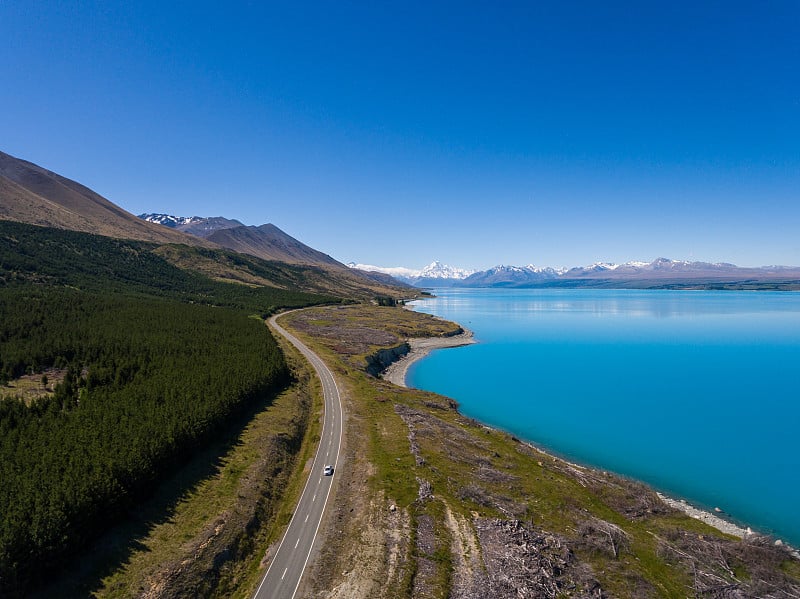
(502, 275)
(398, 272)
(202, 226)
(661, 272)
(437, 270)
(173, 222)
(435, 274)
(660, 267)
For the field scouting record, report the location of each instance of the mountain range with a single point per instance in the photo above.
(435, 274)
(660, 273)
(34, 195)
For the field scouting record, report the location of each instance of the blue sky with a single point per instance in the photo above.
(557, 133)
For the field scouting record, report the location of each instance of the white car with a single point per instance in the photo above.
(328, 470)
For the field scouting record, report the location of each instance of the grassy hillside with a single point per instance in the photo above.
(55, 257)
(141, 364)
(432, 504)
(229, 266)
(34, 195)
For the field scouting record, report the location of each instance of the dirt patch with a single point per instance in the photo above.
(358, 333)
(424, 581)
(347, 339)
(523, 563)
(458, 443)
(470, 579)
(31, 387)
(398, 533)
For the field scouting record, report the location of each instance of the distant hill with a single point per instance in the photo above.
(34, 195)
(265, 241)
(270, 243)
(385, 279)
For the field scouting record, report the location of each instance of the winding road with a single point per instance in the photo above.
(286, 569)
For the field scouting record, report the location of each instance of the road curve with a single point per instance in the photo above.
(286, 569)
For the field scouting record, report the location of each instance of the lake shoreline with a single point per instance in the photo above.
(397, 373)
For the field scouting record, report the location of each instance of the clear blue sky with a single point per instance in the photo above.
(557, 133)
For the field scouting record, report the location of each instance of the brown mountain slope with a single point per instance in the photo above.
(34, 195)
(270, 243)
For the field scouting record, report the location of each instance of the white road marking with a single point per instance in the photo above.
(329, 383)
(298, 542)
(284, 573)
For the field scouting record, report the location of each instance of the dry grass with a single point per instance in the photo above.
(216, 268)
(359, 331)
(31, 387)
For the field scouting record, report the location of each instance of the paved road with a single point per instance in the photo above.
(284, 573)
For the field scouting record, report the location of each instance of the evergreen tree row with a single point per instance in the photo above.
(147, 383)
(153, 362)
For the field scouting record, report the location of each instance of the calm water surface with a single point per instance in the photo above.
(696, 393)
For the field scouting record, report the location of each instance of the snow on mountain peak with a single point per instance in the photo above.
(434, 270)
(437, 270)
(605, 266)
(170, 221)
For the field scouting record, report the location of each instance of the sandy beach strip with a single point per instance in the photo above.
(709, 518)
(421, 347)
(719, 523)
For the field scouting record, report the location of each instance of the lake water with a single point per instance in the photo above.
(696, 393)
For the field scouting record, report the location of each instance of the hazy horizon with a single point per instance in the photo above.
(474, 134)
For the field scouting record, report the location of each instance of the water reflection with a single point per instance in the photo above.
(630, 303)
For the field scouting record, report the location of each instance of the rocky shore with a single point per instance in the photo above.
(419, 348)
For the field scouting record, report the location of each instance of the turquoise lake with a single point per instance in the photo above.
(696, 393)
